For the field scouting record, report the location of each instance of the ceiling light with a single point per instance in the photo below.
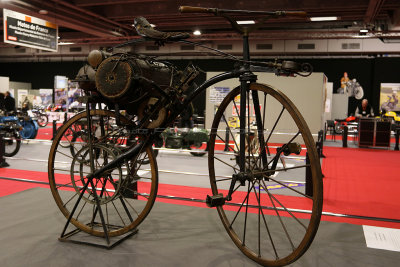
(364, 30)
(323, 18)
(243, 22)
(65, 43)
(197, 32)
(43, 12)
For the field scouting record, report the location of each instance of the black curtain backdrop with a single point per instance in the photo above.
(369, 72)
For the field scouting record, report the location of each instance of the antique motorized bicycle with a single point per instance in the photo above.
(110, 184)
(10, 129)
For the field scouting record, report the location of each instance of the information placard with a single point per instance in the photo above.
(23, 30)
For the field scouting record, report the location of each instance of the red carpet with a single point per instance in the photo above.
(360, 182)
(45, 133)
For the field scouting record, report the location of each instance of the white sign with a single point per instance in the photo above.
(217, 94)
(20, 29)
(382, 238)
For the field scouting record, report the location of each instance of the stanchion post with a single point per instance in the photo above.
(309, 183)
(3, 162)
(396, 147)
(344, 137)
(320, 144)
(54, 129)
(226, 139)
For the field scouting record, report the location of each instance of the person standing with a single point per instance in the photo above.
(9, 102)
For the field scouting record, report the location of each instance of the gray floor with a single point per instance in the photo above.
(172, 235)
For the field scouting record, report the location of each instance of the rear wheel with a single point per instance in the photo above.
(198, 149)
(269, 215)
(126, 193)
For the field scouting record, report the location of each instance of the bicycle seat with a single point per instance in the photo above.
(144, 29)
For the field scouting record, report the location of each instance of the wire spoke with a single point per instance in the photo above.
(265, 223)
(236, 169)
(284, 146)
(288, 211)
(230, 132)
(225, 142)
(280, 219)
(237, 213)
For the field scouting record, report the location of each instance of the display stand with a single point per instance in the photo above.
(374, 132)
(344, 135)
(87, 239)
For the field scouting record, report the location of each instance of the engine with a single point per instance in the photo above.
(127, 79)
(139, 83)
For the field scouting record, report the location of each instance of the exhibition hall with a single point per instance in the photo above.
(199, 133)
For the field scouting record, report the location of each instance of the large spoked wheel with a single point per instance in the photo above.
(12, 143)
(269, 215)
(126, 193)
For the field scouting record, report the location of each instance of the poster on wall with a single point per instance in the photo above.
(61, 97)
(22, 97)
(46, 96)
(217, 94)
(20, 29)
(389, 98)
(74, 92)
(60, 93)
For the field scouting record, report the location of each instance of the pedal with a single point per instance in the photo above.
(215, 201)
(290, 148)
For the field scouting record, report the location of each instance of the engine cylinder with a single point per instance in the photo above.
(119, 78)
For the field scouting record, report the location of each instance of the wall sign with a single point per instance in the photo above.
(20, 29)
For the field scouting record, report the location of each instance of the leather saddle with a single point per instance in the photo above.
(144, 29)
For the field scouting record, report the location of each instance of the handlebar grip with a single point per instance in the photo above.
(296, 13)
(194, 9)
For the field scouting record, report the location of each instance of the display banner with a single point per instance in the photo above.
(20, 29)
(390, 95)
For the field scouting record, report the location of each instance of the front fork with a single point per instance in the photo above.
(242, 176)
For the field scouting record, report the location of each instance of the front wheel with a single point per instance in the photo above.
(266, 206)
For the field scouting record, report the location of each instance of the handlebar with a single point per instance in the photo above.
(216, 11)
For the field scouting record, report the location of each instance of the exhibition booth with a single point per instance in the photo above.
(151, 146)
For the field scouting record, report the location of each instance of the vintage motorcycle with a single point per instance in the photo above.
(40, 114)
(29, 125)
(10, 129)
(195, 140)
